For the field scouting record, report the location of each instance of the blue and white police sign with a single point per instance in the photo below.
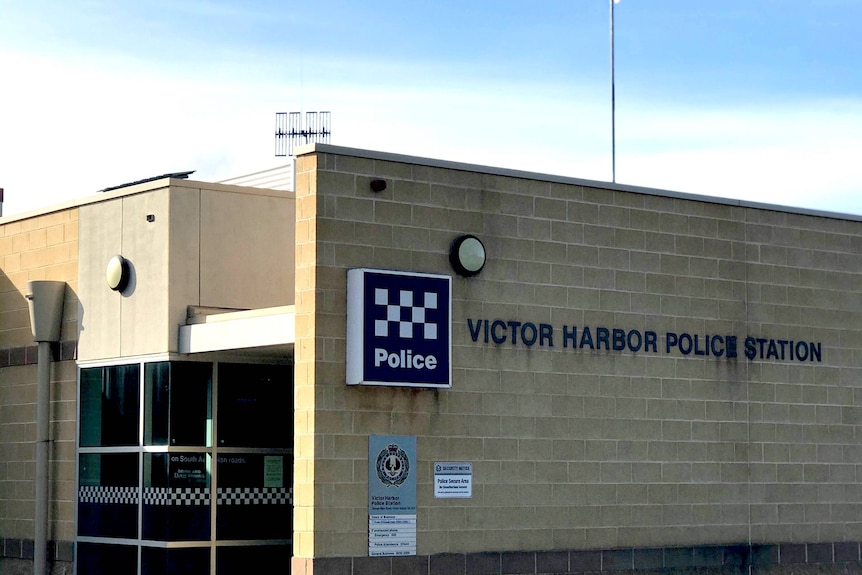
(399, 328)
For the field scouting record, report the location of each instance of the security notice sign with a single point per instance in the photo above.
(453, 480)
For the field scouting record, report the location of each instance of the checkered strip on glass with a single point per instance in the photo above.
(255, 496)
(106, 494)
(176, 496)
(394, 316)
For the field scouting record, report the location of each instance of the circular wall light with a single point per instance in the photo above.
(117, 273)
(467, 255)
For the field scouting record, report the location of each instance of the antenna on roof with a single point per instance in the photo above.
(290, 132)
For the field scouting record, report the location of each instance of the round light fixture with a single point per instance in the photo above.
(467, 255)
(117, 273)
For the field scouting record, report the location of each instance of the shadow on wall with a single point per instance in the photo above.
(18, 359)
(17, 346)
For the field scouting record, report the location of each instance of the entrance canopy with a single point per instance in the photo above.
(267, 329)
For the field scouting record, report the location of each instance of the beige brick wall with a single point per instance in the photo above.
(38, 248)
(305, 351)
(579, 448)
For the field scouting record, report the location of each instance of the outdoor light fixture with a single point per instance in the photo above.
(467, 255)
(378, 185)
(117, 273)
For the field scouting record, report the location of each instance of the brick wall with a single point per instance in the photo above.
(37, 248)
(577, 449)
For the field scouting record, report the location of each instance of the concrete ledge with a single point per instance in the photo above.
(62, 551)
(737, 559)
(28, 355)
(238, 330)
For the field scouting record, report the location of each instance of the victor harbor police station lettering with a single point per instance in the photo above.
(528, 334)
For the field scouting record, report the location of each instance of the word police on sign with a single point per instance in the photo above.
(399, 328)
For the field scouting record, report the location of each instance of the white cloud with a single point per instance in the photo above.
(801, 155)
(71, 128)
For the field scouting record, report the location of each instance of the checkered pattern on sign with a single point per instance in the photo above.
(405, 322)
(176, 496)
(106, 494)
(255, 496)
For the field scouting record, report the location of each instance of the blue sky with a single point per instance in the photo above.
(758, 100)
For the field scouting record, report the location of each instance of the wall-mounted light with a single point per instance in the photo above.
(378, 185)
(117, 273)
(467, 255)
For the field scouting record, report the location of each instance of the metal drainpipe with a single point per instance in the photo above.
(45, 299)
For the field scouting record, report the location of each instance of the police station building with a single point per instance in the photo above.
(420, 367)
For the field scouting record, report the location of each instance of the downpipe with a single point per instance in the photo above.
(45, 300)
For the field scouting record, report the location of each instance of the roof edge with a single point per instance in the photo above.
(140, 188)
(509, 172)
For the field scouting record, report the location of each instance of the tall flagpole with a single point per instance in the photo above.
(613, 103)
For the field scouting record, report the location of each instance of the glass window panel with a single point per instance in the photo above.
(186, 561)
(176, 505)
(109, 406)
(255, 405)
(236, 560)
(99, 559)
(108, 495)
(178, 404)
(191, 403)
(254, 496)
(157, 380)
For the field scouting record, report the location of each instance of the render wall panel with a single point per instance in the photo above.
(246, 250)
(100, 318)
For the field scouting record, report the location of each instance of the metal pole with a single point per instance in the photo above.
(613, 104)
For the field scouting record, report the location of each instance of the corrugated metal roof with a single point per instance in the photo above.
(280, 178)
